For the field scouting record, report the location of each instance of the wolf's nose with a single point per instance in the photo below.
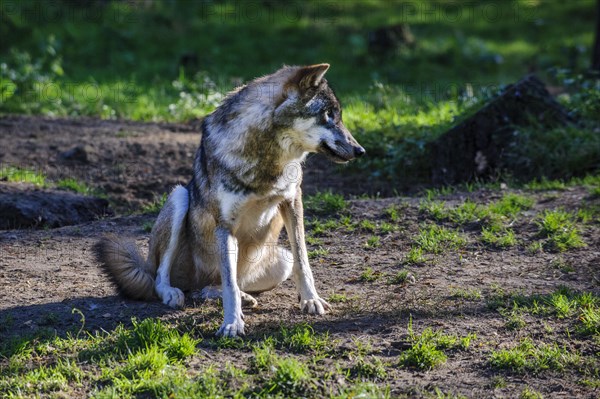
(359, 151)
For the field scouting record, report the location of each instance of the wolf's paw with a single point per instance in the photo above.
(232, 330)
(248, 301)
(206, 293)
(212, 292)
(314, 306)
(171, 296)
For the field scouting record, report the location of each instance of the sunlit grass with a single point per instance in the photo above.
(560, 230)
(22, 175)
(529, 356)
(430, 348)
(434, 239)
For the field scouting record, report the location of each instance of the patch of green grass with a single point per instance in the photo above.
(530, 357)
(498, 237)
(467, 212)
(423, 355)
(434, 193)
(326, 203)
(145, 363)
(440, 394)
(393, 213)
(530, 393)
(544, 184)
(514, 319)
(17, 347)
(151, 332)
(559, 228)
(415, 256)
(22, 175)
(590, 320)
(510, 205)
(155, 206)
(347, 223)
(59, 377)
(582, 308)
(535, 247)
(338, 298)
(566, 240)
(228, 343)
(369, 275)
(562, 305)
(400, 277)
(465, 342)
(435, 239)
(319, 227)
(371, 368)
(373, 242)
(263, 355)
(386, 228)
(588, 214)
(290, 378)
(471, 294)
(428, 349)
(591, 382)
(310, 240)
(554, 221)
(589, 180)
(368, 225)
(490, 216)
(436, 209)
(143, 334)
(75, 185)
(302, 338)
(318, 253)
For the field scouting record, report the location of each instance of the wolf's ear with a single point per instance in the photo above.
(309, 76)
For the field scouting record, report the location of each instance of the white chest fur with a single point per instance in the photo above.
(248, 214)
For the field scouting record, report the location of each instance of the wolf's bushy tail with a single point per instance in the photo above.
(127, 268)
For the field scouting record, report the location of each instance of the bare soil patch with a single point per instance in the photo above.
(45, 274)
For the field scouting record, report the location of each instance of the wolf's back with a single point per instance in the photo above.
(126, 267)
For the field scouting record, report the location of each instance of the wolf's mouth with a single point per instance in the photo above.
(332, 154)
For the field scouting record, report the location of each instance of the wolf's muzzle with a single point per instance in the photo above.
(359, 151)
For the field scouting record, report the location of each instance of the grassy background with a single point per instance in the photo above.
(118, 59)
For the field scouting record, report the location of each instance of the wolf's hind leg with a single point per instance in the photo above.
(274, 269)
(176, 207)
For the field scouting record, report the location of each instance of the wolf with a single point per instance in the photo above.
(217, 236)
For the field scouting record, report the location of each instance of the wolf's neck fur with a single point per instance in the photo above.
(242, 137)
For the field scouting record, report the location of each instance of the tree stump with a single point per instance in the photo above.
(474, 148)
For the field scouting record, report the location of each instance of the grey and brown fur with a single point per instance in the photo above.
(222, 228)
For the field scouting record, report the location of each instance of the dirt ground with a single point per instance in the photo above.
(51, 271)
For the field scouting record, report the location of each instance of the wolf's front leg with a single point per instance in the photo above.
(233, 325)
(172, 214)
(293, 216)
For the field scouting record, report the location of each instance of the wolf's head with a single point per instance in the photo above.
(311, 115)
